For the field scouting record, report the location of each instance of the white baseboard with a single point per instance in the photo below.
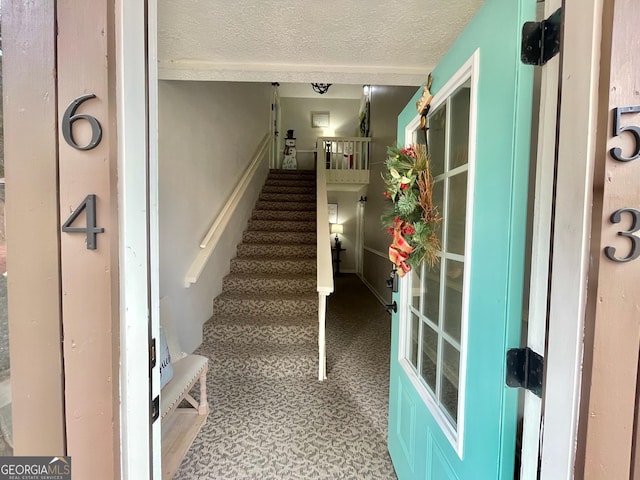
(375, 293)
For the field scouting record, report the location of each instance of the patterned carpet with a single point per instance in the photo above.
(269, 416)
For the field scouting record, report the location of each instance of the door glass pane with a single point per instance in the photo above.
(431, 292)
(413, 340)
(438, 201)
(459, 127)
(453, 298)
(415, 288)
(450, 379)
(457, 213)
(437, 140)
(429, 355)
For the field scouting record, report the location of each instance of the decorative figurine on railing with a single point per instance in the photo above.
(289, 161)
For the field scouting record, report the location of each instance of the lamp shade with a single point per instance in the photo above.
(336, 228)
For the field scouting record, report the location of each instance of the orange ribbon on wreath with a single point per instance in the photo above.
(399, 250)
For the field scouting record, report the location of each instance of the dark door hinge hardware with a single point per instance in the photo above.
(153, 354)
(392, 307)
(541, 40)
(392, 281)
(155, 408)
(525, 369)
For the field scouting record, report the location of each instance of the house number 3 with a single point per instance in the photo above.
(616, 154)
(88, 205)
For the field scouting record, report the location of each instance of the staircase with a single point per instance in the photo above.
(265, 320)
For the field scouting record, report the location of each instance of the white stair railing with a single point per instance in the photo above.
(344, 153)
(324, 265)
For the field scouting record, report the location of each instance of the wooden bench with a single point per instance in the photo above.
(181, 415)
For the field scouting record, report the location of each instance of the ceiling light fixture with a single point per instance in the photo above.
(320, 88)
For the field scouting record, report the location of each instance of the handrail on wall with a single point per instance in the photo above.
(211, 239)
(324, 264)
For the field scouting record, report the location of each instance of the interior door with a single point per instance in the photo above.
(451, 415)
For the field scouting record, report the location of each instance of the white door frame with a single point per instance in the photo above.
(138, 247)
(580, 58)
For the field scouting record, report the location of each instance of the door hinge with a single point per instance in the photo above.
(541, 40)
(155, 408)
(525, 369)
(153, 354)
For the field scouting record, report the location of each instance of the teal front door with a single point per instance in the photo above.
(450, 414)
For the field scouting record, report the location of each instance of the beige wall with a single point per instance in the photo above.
(347, 203)
(386, 104)
(208, 132)
(296, 116)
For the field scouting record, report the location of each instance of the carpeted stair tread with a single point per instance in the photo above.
(230, 303)
(261, 319)
(254, 236)
(282, 225)
(259, 264)
(269, 283)
(283, 182)
(308, 190)
(278, 250)
(297, 215)
(276, 205)
(288, 197)
(237, 332)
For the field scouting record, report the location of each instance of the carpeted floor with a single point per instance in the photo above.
(269, 416)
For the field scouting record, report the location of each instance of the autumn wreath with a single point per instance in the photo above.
(414, 219)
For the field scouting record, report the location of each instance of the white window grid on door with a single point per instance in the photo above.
(452, 429)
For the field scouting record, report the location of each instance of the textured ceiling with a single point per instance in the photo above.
(333, 41)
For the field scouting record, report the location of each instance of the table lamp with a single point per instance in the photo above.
(337, 228)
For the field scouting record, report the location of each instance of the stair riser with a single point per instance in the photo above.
(263, 335)
(276, 205)
(252, 306)
(287, 197)
(280, 266)
(292, 215)
(275, 182)
(281, 226)
(289, 189)
(276, 250)
(306, 238)
(274, 286)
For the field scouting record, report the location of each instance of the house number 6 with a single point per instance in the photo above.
(70, 117)
(616, 217)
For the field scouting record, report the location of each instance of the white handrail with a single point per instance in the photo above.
(324, 264)
(211, 239)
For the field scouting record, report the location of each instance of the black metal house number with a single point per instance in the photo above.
(616, 217)
(89, 203)
(70, 117)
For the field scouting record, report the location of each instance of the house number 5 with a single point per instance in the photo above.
(616, 152)
(616, 217)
